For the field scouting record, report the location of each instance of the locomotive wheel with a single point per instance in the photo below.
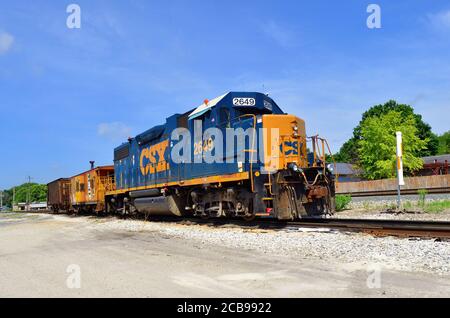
(204, 216)
(249, 217)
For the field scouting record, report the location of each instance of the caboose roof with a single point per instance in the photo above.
(109, 167)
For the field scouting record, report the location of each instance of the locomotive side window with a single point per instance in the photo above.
(224, 118)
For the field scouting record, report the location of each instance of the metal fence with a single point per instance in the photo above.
(433, 184)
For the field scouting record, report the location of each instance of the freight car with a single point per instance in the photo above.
(58, 195)
(88, 189)
(182, 168)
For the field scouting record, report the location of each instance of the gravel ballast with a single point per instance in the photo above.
(351, 250)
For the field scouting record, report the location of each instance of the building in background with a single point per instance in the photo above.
(435, 165)
(347, 172)
(25, 207)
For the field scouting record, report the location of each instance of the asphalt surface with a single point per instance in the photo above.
(47, 256)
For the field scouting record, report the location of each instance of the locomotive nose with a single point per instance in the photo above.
(284, 142)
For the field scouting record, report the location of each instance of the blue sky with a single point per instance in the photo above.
(68, 96)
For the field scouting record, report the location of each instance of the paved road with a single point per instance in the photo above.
(36, 252)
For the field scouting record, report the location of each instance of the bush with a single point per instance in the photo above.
(422, 195)
(342, 202)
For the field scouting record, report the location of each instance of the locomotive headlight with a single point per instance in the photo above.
(295, 128)
(293, 167)
(330, 167)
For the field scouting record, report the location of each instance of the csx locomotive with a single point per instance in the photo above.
(238, 155)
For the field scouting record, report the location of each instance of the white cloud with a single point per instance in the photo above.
(277, 33)
(6, 42)
(114, 131)
(440, 20)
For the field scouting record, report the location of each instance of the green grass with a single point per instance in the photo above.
(367, 205)
(342, 202)
(408, 205)
(437, 206)
(422, 196)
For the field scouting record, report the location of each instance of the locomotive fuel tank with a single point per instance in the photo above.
(151, 202)
(153, 206)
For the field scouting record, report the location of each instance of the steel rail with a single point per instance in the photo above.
(376, 227)
(375, 193)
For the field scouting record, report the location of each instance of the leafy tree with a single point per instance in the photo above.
(444, 143)
(38, 193)
(349, 151)
(377, 146)
(6, 198)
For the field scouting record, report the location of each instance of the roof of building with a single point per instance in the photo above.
(440, 158)
(346, 169)
(38, 205)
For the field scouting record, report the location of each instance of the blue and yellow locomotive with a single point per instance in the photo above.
(238, 155)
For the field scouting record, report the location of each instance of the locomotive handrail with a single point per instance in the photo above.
(108, 183)
(253, 148)
(314, 140)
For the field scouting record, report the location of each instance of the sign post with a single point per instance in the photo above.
(400, 180)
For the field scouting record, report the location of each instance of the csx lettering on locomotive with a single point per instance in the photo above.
(152, 158)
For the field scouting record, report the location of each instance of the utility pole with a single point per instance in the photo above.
(29, 193)
(400, 180)
(14, 198)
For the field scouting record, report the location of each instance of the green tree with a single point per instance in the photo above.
(349, 151)
(444, 143)
(38, 193)
(377, 146)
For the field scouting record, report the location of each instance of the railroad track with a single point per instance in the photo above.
(394, 192)
(399, 228)
(376, 227)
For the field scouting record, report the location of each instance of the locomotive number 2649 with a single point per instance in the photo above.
(244, 101)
